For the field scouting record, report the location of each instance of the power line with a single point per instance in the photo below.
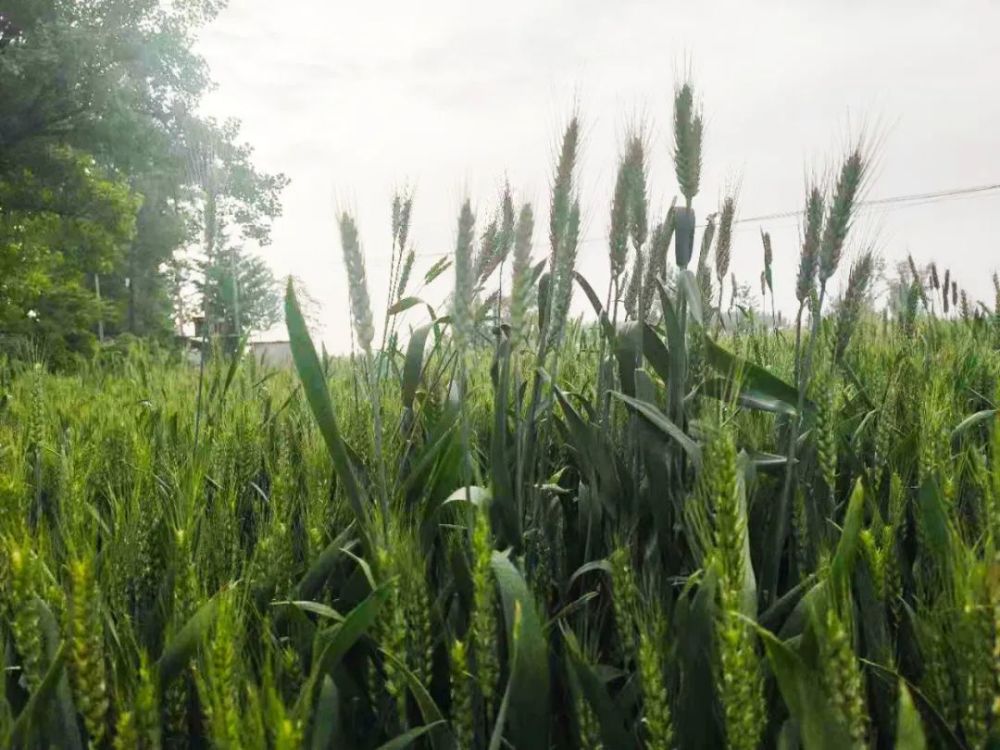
(900, 201)
(895, 201)
(924, 199)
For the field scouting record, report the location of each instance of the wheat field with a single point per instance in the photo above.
(671, 523)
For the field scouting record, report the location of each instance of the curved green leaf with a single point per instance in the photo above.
(695, 623)
(656, 352)
(929, 710)
(528, 724)
(478, 496)
(753, 378)
(595, 302)
(613, 724)
(628, 352)
(596, 453)
(933, 519)
(178, 653)
(60, 725)
(602, 565)
(36, 708)
(659, 420)
(800, 686)
(314, 384)
(333, 644)
(574, 606)
(325, 715)
(408, 738)
(847, 546)
(404, 304)
(428, 708)
(678, 355)
(909, 730)
(971, 421)
(315, 608)
(763, 459)
(319, 571)
(749, 398)
(692, 291)
(413, 365)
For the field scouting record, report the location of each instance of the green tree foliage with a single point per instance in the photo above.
(99, 167)
(62, 220)
(240, 294)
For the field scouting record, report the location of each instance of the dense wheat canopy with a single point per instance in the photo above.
(546, 472)
(687, 524)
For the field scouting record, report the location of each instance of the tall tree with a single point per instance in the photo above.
(63, 221)
(96, 137)
(241, 295)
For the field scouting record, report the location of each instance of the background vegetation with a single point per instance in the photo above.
(107, 173)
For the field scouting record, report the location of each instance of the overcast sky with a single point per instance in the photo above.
(352, 100)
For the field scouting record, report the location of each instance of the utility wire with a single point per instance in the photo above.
(894, 201)
(924, 199)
